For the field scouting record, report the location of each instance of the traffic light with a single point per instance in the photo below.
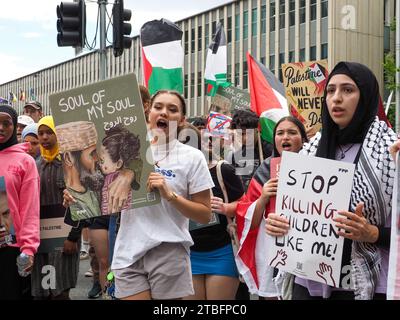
(71, 24)
(121, 29)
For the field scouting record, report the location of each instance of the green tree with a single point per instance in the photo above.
(389, 69)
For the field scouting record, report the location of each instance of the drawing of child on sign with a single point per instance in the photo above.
(119, 148)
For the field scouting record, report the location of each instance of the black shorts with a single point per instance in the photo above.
(101, 222)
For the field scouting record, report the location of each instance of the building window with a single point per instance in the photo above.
(245, 25)
(262, 60)
(199, 79)
(237, 74)
(302, 56)
(245, 75)
(237, 27)
(324, 8)
(229, 29)
(192, 43)
(313, 10)
(254, 22)
(192, 85)
(281, 61)
(282, 9)
(186, 85)
(292, 10)
(324, 51)
(263, 19)
(291, 56)
(228, 73)
(206, 35)
(272, 10)
(272, 63)
(213, 28)
(199, 30)
(302, 11)
(313, 53)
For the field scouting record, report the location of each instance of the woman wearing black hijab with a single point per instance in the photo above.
(352, 133)
(21, 236)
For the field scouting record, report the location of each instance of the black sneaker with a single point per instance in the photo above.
(96, 291)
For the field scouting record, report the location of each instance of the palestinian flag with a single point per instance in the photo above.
(250, 258)
(216, 64)
(267, 97)
(162, 55)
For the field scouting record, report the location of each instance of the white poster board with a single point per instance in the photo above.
(393, 284)
(310, 192)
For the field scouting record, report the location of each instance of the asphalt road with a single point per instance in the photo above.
(84, 284)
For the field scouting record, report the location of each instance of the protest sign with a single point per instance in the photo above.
(103, 123)
(275, 165)
(218, 125)
(393, 284)
(53, 230)
(304, 83)
(310, 192)
(6, 224)
(229, 99)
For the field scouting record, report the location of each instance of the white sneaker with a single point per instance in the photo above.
(84, 255)
(89, 273)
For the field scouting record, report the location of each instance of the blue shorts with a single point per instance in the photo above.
(217, 262)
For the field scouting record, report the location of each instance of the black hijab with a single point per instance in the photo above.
(4, 108)
(363, 117)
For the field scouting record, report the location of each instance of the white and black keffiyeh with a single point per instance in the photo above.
(373, 185)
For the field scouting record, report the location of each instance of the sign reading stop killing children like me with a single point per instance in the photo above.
(310, 192)
(102, 135)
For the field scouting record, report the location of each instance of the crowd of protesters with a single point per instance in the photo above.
(182, 248)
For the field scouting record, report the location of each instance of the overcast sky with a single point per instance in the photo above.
(29, 35)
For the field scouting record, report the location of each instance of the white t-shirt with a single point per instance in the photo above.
(186, 172)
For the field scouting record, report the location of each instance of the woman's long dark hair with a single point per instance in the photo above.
(297, 123)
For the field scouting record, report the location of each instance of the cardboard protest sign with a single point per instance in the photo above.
(53, 230)
(305, 83)
(6, 224)
(229, 99)
(393, 284)
(310, 192)
(101, 130)
(275, 165)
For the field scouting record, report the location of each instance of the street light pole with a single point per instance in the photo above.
(103, 37)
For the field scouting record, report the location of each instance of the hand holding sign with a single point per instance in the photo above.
(356, 227)
(276, 225)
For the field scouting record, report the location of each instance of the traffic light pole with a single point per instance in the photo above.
(103, 37)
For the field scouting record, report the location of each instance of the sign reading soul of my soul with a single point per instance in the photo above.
(310, 192)
(228, 100)
(108, 117)
(305, 83)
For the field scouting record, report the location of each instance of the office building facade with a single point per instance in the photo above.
(274, 31)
